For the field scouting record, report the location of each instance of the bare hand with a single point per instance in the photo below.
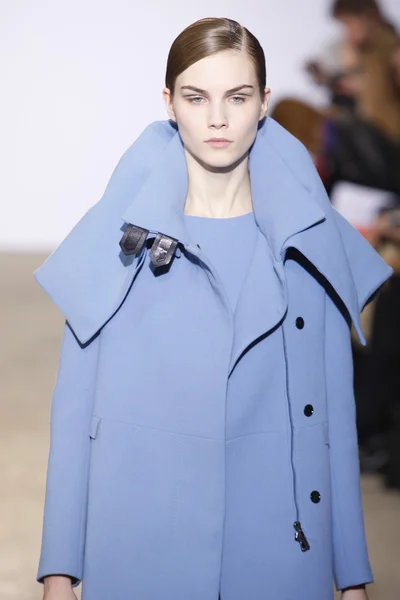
(58, 587)
(355, 594)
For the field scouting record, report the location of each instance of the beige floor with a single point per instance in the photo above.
(30, 330)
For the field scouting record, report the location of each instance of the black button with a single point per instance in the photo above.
(309, 410)
(315, 497)
(299, 322)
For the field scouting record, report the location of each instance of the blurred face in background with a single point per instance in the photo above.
(358, 28)
(218, 98)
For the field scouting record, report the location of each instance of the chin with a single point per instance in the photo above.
(219, 159)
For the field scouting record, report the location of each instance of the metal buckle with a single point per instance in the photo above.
(162, 250)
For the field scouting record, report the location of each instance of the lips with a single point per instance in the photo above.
(218, 142)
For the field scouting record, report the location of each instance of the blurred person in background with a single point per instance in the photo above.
(363, 145)
(374, 46)
(333, 68)
(357, 137)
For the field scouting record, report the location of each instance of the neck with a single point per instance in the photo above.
(218, 194)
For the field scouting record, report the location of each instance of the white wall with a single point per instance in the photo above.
(81, 78)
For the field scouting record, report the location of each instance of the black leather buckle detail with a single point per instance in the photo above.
(133, 239)
(162, 250)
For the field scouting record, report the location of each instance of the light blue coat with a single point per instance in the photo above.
(186, 441)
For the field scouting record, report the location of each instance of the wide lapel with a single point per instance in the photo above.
(159, 205)
(283, 208)
(290, 207)
(347, 265)
(262, 303)
(294, 211)
(283, 205)
(88, 276)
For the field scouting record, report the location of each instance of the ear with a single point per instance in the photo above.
(264, 105)
(167, 97)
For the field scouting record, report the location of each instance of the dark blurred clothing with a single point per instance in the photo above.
(366, 146)
(343, 146)
(357, 151)
(379, 395)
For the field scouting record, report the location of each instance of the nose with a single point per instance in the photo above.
(217, 117)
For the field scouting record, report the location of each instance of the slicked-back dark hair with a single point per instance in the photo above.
(207, 37)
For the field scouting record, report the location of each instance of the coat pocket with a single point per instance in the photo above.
(94, 426)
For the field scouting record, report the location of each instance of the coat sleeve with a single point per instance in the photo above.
(64, 520)
(350, 556)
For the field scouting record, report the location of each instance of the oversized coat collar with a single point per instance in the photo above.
(88, 276)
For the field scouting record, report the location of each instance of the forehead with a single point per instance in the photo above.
(219, 72)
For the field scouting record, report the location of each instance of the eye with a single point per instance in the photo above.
(195, 99)
(237, 99)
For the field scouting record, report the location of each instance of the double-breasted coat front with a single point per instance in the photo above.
(197, 450)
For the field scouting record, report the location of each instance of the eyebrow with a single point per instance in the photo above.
(200, 91)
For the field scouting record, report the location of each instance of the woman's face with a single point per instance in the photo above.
(218, 97)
